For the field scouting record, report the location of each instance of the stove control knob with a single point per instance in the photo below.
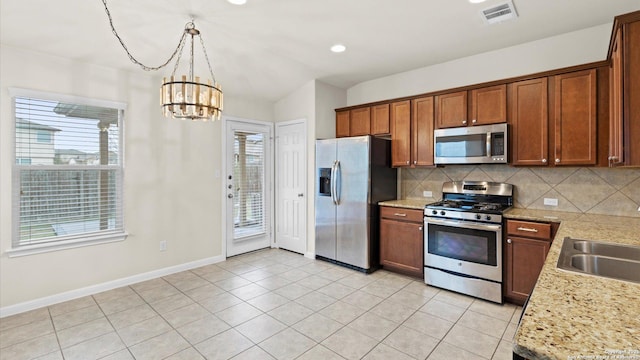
(478, 216)
(488, 217)
(434, 212)
(442, 212)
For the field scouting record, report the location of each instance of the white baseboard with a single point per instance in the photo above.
(109, 285)
(310, 255)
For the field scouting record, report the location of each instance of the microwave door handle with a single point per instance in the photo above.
(463, 224)
(489, 144)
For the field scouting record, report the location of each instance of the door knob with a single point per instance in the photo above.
(230, 196)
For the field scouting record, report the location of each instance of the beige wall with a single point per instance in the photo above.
(171, 188)
(582, 190)
(315, 102)
(574, 48)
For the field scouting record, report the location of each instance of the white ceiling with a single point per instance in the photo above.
(269, 48)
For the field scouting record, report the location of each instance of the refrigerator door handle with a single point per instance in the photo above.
(338, 182)
(333, 183)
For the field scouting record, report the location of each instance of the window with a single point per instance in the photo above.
(68, 172)
(44, 136)
(248, 184)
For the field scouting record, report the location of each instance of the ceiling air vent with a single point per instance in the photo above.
(499, 13)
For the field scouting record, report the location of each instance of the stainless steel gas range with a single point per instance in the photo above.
(463, 238)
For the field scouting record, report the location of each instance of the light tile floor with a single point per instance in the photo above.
(269, 304)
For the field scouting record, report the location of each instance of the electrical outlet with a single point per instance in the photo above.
(551, 201)
(163, 245)
(427, 194)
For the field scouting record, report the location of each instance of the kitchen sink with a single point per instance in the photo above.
(606, 249)
(621, 262)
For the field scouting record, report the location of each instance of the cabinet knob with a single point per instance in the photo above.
(557, 161)
(508, 241)
(420, 228)
(474, 121)
(544, 161)
(407, 162)
(464, 122)
(415, 162)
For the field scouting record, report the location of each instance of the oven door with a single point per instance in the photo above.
(464, 247)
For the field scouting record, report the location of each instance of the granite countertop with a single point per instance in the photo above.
(406, 203)
(576, 316)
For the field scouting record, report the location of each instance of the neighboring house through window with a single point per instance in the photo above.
(68, 172)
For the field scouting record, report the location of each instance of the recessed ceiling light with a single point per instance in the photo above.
(338, 48)
(476, 1)
(237, 2)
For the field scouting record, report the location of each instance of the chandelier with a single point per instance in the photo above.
(185, 97)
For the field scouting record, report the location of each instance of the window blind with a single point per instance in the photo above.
(249, 184)
(68, 172)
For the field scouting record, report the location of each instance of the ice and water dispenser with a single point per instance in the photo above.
(325, 181)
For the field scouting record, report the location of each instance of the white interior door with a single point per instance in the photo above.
(249, 167)
(291, 185)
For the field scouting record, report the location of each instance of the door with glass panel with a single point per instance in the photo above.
(248, 186)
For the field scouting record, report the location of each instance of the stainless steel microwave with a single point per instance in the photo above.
(484, 144)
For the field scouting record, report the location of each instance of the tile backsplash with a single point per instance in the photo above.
(578, 189)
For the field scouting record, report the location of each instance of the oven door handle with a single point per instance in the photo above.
(463, 224)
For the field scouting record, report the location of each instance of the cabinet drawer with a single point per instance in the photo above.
(529, 229)
(388, 212)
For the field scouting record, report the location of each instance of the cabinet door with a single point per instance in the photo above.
(422, 121)
(401, 133)
(574, 118)
(489, 105)
(528, 118)
(360, 121)
(402, 246)
(631, 96)
(616, 155)
(525, 258)
(380, 120)
(342, 123)
(451, 110)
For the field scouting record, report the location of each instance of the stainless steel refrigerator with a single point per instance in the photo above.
(353, 175)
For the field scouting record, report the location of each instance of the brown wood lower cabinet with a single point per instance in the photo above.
(401, 240)
(525, 249)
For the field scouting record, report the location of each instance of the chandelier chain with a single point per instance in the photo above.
(179, 50)
(133, 59)
(204, 50)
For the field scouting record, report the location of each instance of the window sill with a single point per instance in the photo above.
(66, 244)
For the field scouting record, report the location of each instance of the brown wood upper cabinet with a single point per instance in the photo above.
(624, 95)
(451, 110)
(488, 105)
(529, 119)
(360, 121)
(380, 120)
(401, 133)
(367, 120)
(557, 116)
(412, 132)
(342, 123)
(574, 118)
